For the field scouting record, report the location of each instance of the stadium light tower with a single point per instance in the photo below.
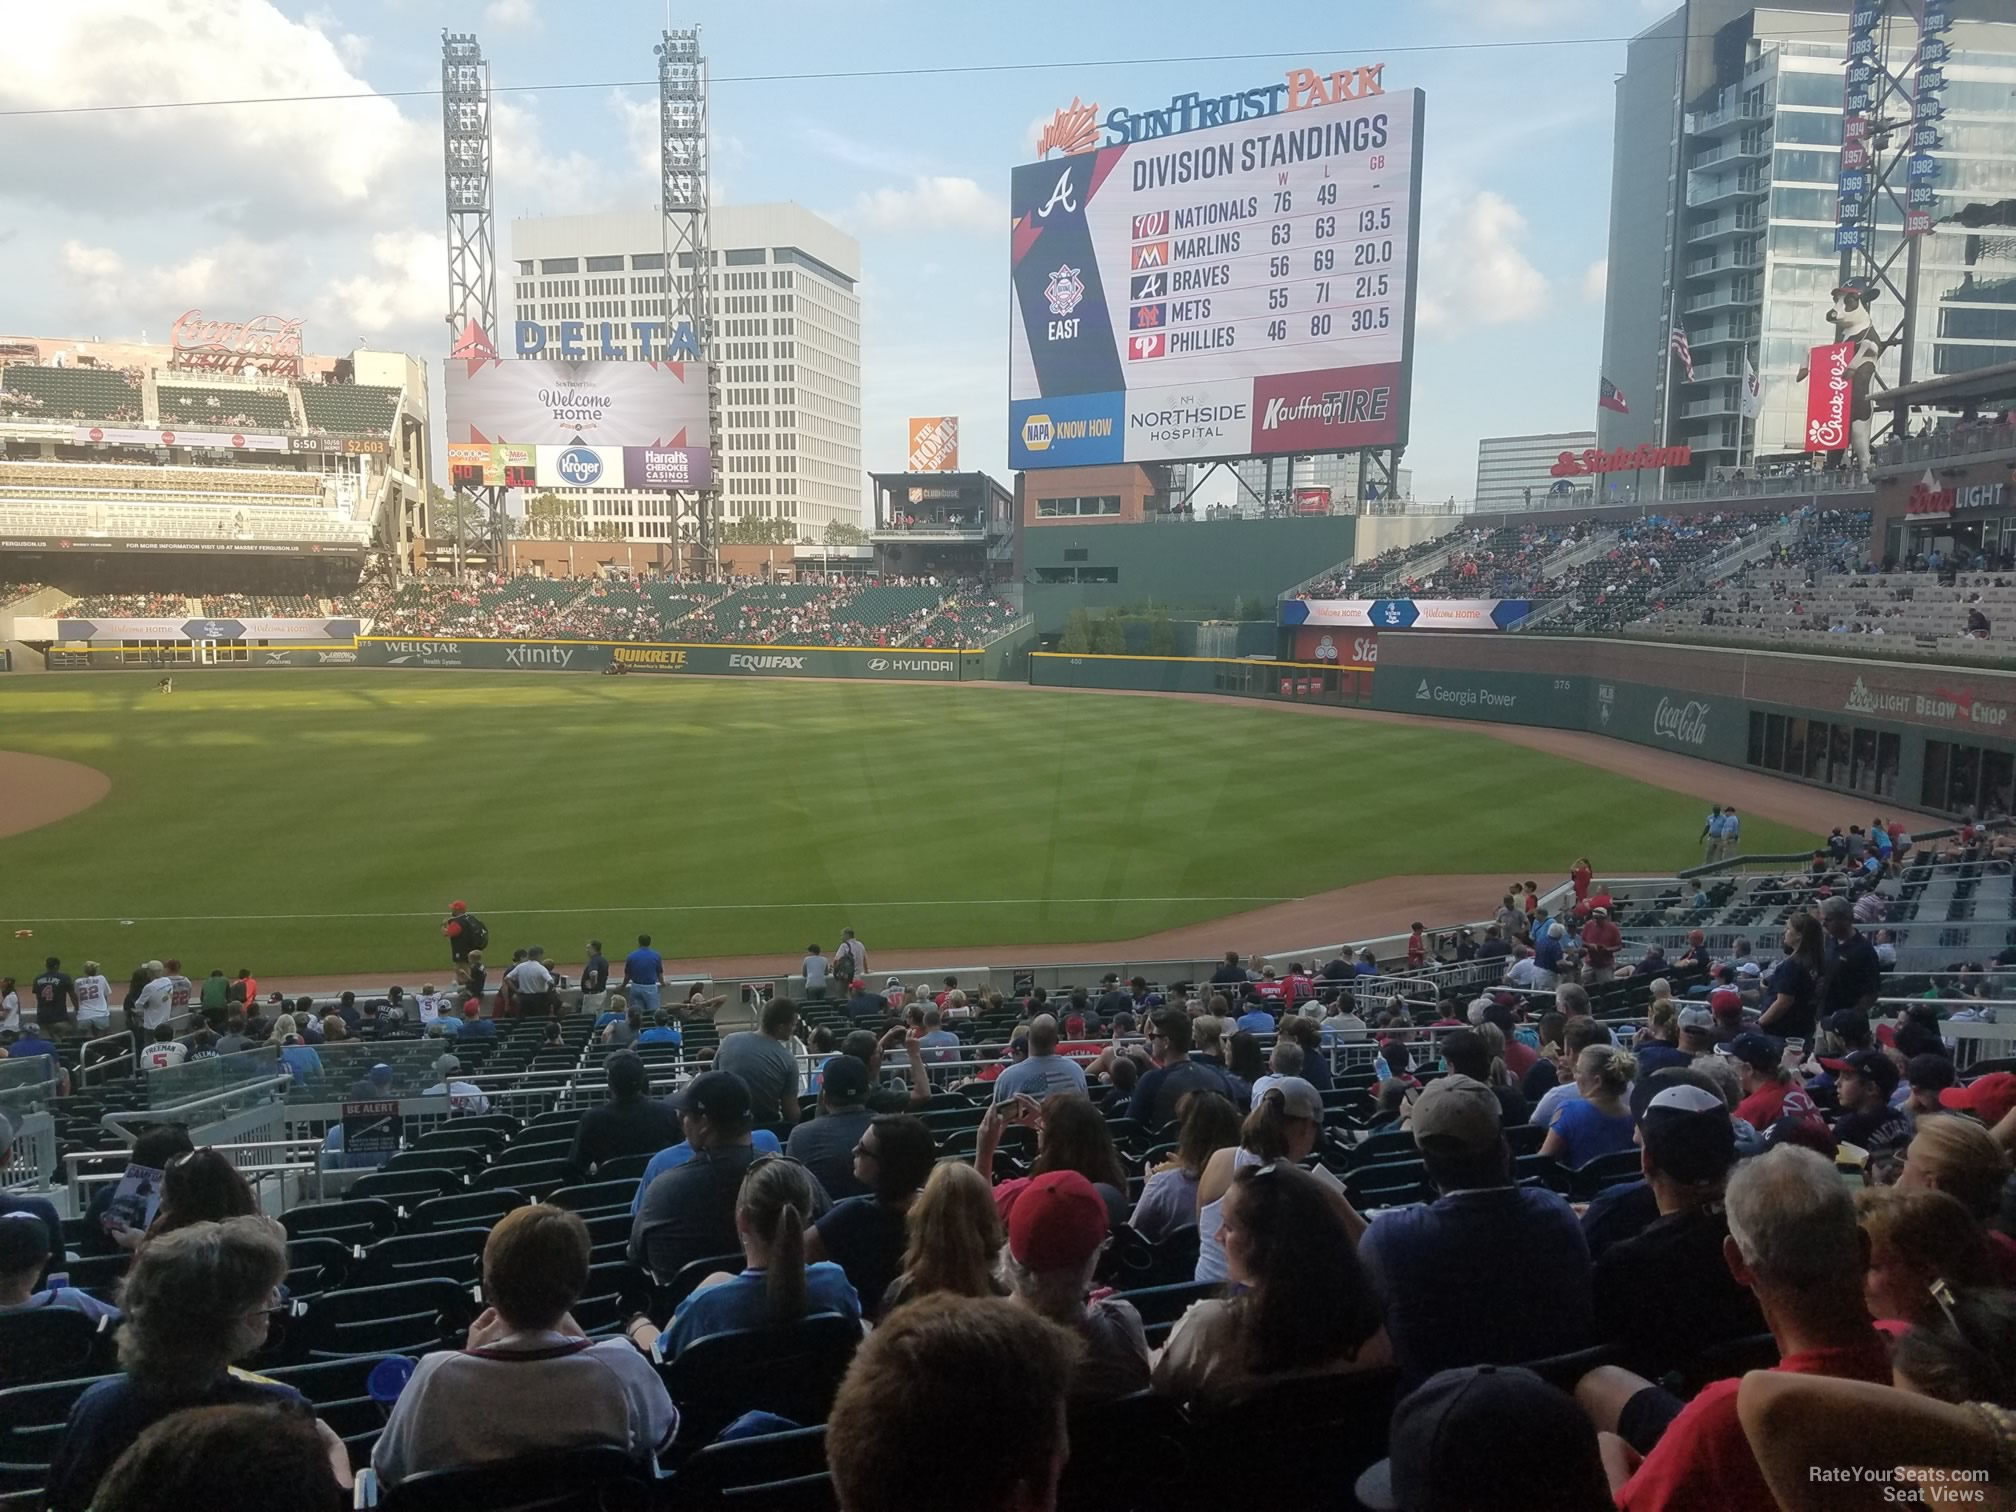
(472, 236)
(683, 201)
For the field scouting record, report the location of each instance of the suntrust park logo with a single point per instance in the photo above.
(742, 661)
(1683, 724)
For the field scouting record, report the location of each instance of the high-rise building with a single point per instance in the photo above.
(1722, 213)
(1515, 472)
(786, 303)
(1344, 474)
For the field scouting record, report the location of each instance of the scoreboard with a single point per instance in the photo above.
(1239, 290)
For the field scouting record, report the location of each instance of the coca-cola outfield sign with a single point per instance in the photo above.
(1683, 724)
(1620, 459)
(271, 343)
(1830, 390)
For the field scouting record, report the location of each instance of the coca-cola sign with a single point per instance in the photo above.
(270, 344)
(1830, 389)
(1683, 724)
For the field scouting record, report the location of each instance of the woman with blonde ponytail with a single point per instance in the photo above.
(1599, 1121)
(772, 1212)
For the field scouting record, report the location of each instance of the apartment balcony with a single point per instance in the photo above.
(1742, 223)
(1719, 404)
(1724, 332)
(1705, 190)
(1730, 297)
(1724, 118)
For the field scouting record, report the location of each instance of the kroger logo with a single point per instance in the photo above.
(580, 466)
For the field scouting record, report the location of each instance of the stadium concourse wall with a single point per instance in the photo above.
(1907, 732)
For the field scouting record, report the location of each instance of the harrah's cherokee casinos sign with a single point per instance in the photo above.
(1829, 390)
(1621, 459)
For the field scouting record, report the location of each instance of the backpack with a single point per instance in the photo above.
(478, 932)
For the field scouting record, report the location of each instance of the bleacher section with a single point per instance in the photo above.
(348, 409)
(74, 482)
(223, 408)
(968, 620)
(69, 393)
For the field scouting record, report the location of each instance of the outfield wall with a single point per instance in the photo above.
(1238, 677)
(1930, 737)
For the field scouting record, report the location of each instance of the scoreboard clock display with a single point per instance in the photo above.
(1235, 291)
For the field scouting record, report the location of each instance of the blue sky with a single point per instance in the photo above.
(112, 223)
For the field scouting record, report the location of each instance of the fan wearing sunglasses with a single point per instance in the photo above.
(196, 1300)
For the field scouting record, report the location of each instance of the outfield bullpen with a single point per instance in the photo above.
(321, 821)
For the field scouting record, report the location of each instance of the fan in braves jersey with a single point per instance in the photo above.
(181, 991)
(55, 995)
(1270, 987)
(1301, 986)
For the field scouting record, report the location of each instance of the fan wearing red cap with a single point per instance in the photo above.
(1057, 1229)
(1989, 1098)
(465, 933)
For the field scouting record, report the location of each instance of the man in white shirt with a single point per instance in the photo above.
(463, 1096)
(165, 1051)
(815, 968)
(529, 1379)
(1285, 1062)
(181, 991)
(851, 959)
(153, 1007)
(94, 999)
(532, 983)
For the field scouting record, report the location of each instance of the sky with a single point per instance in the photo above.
(113, 222)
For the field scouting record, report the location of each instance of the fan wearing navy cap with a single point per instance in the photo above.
(1863, 1083)
(1488, 1436)
(688, 1212)
(1664, 1293)
(1767, 1085)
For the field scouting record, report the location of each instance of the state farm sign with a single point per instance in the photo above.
(1621, 459)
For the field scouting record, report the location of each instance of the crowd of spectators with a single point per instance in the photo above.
(1767, 1212)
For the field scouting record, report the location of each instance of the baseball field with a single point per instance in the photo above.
(321, 822)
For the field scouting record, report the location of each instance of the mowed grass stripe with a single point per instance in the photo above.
(908, 811)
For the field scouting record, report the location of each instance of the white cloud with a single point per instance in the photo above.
(104, 283)
(1472, 270)
(1595, 279)
(252, 164)
(856, 153)
(404, 289)
(931, 202)
(639, 120)
(511, 15)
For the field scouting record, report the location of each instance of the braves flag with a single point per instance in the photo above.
(1611, 397)
(1062, 299)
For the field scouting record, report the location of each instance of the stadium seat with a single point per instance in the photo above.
(32, 1419)
(599, 1194)
(792, 1370)
(571, 1480)
(1130, 1452)
(1606, 1171)
(52, 1344)
(1564, 1370)
(1133, 1262)
(623, 1168)
(317, 1264)
(686, 1280)
(100, 1275)
(464, 1209)
(455, 1253)
(458, 1158)
(1720, 1361)
(535, 1178)
(358, 1221)
(1301, 1442)
(340, 1393)
(409, 1317)
(1525, 1139)
(407, 1186)
(727, 1473)
(458, 1135)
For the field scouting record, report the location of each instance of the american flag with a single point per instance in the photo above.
(1678, 342)
(1611, 397)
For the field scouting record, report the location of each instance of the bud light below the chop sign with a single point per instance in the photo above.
(580, 466)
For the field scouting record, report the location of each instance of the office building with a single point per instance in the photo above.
(1515, 472)
(786, 304)
(1343, 476)
(1722, 214)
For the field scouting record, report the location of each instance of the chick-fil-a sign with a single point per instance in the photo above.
(1830, 390)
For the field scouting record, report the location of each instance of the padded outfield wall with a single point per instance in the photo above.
(1903, 725)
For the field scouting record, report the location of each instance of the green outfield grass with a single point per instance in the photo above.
(321, 822)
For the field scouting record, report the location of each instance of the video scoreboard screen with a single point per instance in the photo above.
(1233, 291)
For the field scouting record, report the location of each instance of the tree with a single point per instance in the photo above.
(756, 531)
(1161, 635)
(1109, 636)
(552, 518)
(445, 508)
(1077, 637)
(840, 533)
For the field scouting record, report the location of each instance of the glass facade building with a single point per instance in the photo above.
(1752, 180)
